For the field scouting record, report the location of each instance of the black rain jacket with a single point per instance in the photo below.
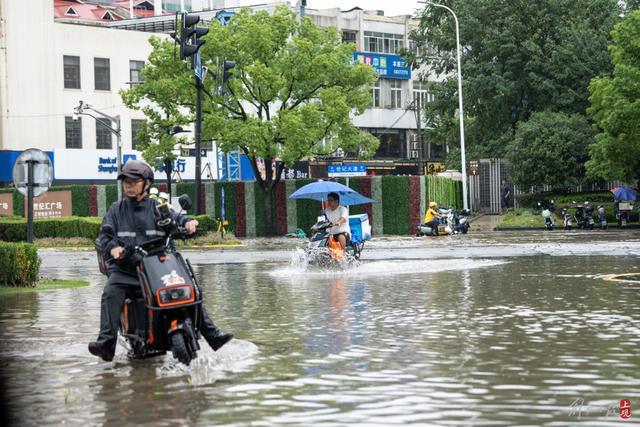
(134, 223)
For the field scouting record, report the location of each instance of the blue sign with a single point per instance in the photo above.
(8, 159)
(197, 67)
(358, 169)
(387, 66)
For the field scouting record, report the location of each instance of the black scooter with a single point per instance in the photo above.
(165, 312)
(588, 212)
(566, 219)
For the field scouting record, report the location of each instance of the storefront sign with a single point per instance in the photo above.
(102, 165)
(52, 204)
(433, 168)
(6, 204)
(387, 66)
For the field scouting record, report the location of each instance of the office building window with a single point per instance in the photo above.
(396, 94)
(375, 95)
(103, 134)
(71, 72)
(383, 42)
(102, 73)
(420, 93)
(349, 36)
(135, 126)
(393, 143)
(73, 132)
(135, 68)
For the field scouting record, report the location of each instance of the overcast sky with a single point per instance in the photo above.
(390, 7)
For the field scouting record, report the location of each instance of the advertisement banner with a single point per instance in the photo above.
(6, 204)
(52, 204)
(387, 66)
(74, 165)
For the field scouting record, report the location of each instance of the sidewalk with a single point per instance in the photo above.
(485, 222)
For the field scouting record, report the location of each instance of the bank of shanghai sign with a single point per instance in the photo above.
(387, 66)
(346, 170)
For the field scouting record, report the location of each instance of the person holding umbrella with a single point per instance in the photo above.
(339, 217)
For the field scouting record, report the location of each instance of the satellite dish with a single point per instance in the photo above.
(42, 172)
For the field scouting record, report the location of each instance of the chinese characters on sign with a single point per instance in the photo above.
(473, 167)
(434, 168)
(53, 204)
(388, 66)
(359, 169)
(6, 204)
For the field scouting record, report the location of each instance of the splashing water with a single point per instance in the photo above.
(302, 264)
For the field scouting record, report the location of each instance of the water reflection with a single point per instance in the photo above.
(447, 342)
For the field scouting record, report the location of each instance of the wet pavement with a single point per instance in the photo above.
(483, 329)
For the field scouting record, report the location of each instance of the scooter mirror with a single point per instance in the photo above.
(185, 202)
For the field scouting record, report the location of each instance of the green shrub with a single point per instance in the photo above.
(19, 264)
(395, 204)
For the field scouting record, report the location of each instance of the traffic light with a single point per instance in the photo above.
(227, 66)
(190, 35)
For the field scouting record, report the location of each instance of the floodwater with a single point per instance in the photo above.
(501, 329)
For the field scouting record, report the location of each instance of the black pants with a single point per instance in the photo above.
(433, 224)
(113, 297)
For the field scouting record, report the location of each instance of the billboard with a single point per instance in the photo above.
(84, 164)
(387, 66)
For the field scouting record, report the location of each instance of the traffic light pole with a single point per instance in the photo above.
(198, 137)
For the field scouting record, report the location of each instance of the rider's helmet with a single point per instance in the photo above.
(433, 205)
(153, 192)
(163, 196)
(136, 169)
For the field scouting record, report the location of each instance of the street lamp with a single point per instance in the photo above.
(464, 162)
(82, 108)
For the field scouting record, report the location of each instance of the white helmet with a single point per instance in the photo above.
(153, 191)
(164, 196)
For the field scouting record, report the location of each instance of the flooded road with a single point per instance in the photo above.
(499, 330)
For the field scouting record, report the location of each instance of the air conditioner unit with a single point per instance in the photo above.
(413, 154)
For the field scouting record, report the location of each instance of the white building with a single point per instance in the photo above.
(47, 67)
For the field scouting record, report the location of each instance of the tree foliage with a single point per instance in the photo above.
(294, 86)
(550, 148)
(615, 107)
(519, 57)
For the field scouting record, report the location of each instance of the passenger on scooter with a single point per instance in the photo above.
(431, 218)
(338, 216)
(132, 221)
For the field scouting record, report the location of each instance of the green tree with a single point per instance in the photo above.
(518, 57)
(168, 83)
(615, 107)
(550, 148)
(294, 86)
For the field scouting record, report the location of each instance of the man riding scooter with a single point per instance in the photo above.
(133, 222)
(431, 218)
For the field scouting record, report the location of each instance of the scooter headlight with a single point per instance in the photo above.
(172, 295)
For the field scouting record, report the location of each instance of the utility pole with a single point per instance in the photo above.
(82, 108)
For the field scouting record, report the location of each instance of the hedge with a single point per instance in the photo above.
(530, 200)
(19, 264)
(14, 229)
(395, 204)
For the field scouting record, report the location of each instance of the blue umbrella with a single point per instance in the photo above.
(624, 193)
(319, 190)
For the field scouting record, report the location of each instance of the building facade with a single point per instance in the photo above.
(47, 66)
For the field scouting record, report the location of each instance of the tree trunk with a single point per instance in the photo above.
(267, 184)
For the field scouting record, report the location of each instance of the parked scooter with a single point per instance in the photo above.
(588, 212)
(622, 213)
(548, 220)
(602, 217)
(566, 219)
(580, 216)
(165, 313)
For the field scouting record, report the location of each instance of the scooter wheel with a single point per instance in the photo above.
(179, 348)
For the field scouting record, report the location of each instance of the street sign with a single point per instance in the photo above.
(197, 68)
(473, 167)
(336, 171)
(42, 172)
